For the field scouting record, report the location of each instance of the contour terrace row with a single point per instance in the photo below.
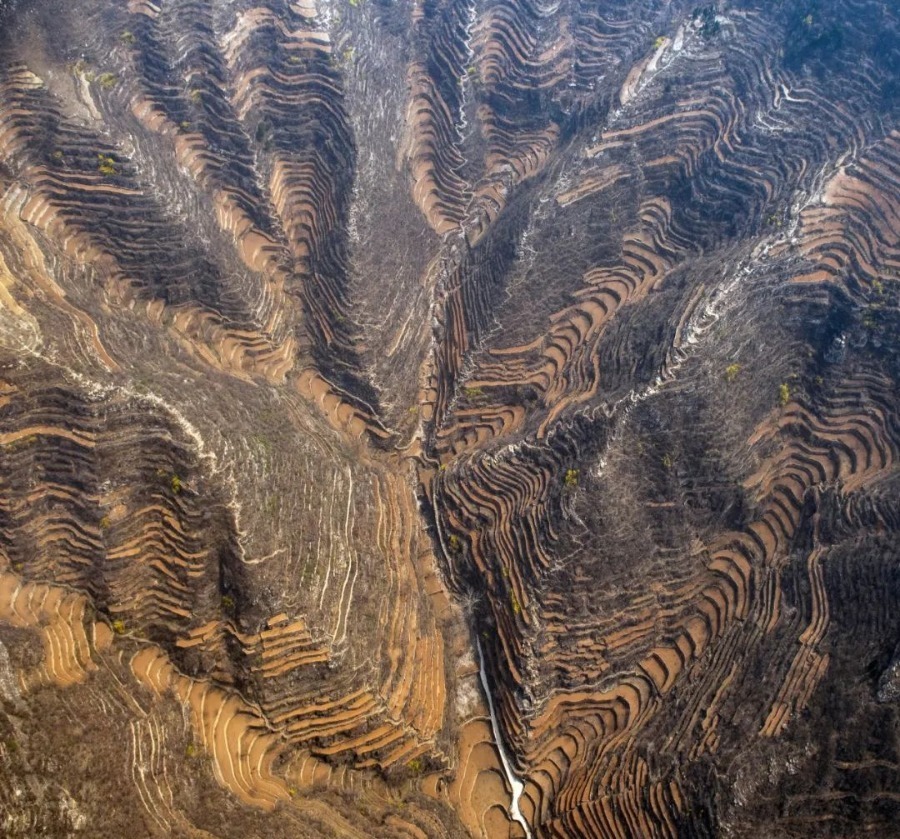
(713, 148)
(86, 194)
(253, 99)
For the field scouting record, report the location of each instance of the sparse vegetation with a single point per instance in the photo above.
(82, 69)
(705, 18)
(815, 33)
(443, 214)
(21, 442)
(263, 134)
(106, 164)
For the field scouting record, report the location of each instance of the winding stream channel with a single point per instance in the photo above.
(515, 784)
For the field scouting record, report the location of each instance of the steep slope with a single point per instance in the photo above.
(443, 418)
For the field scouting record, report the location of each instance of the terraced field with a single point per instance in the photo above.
(449, 418)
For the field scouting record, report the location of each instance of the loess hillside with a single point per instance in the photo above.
(449, 419)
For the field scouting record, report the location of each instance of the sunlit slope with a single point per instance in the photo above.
(445, 419)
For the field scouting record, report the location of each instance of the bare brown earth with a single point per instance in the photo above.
(358, 354)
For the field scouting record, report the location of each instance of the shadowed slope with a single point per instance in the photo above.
(361, 359)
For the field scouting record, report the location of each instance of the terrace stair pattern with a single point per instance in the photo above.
(449, 418)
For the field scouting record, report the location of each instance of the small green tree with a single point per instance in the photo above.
(784, 394)
(106, 164)
(731, 372)
(571, 478)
